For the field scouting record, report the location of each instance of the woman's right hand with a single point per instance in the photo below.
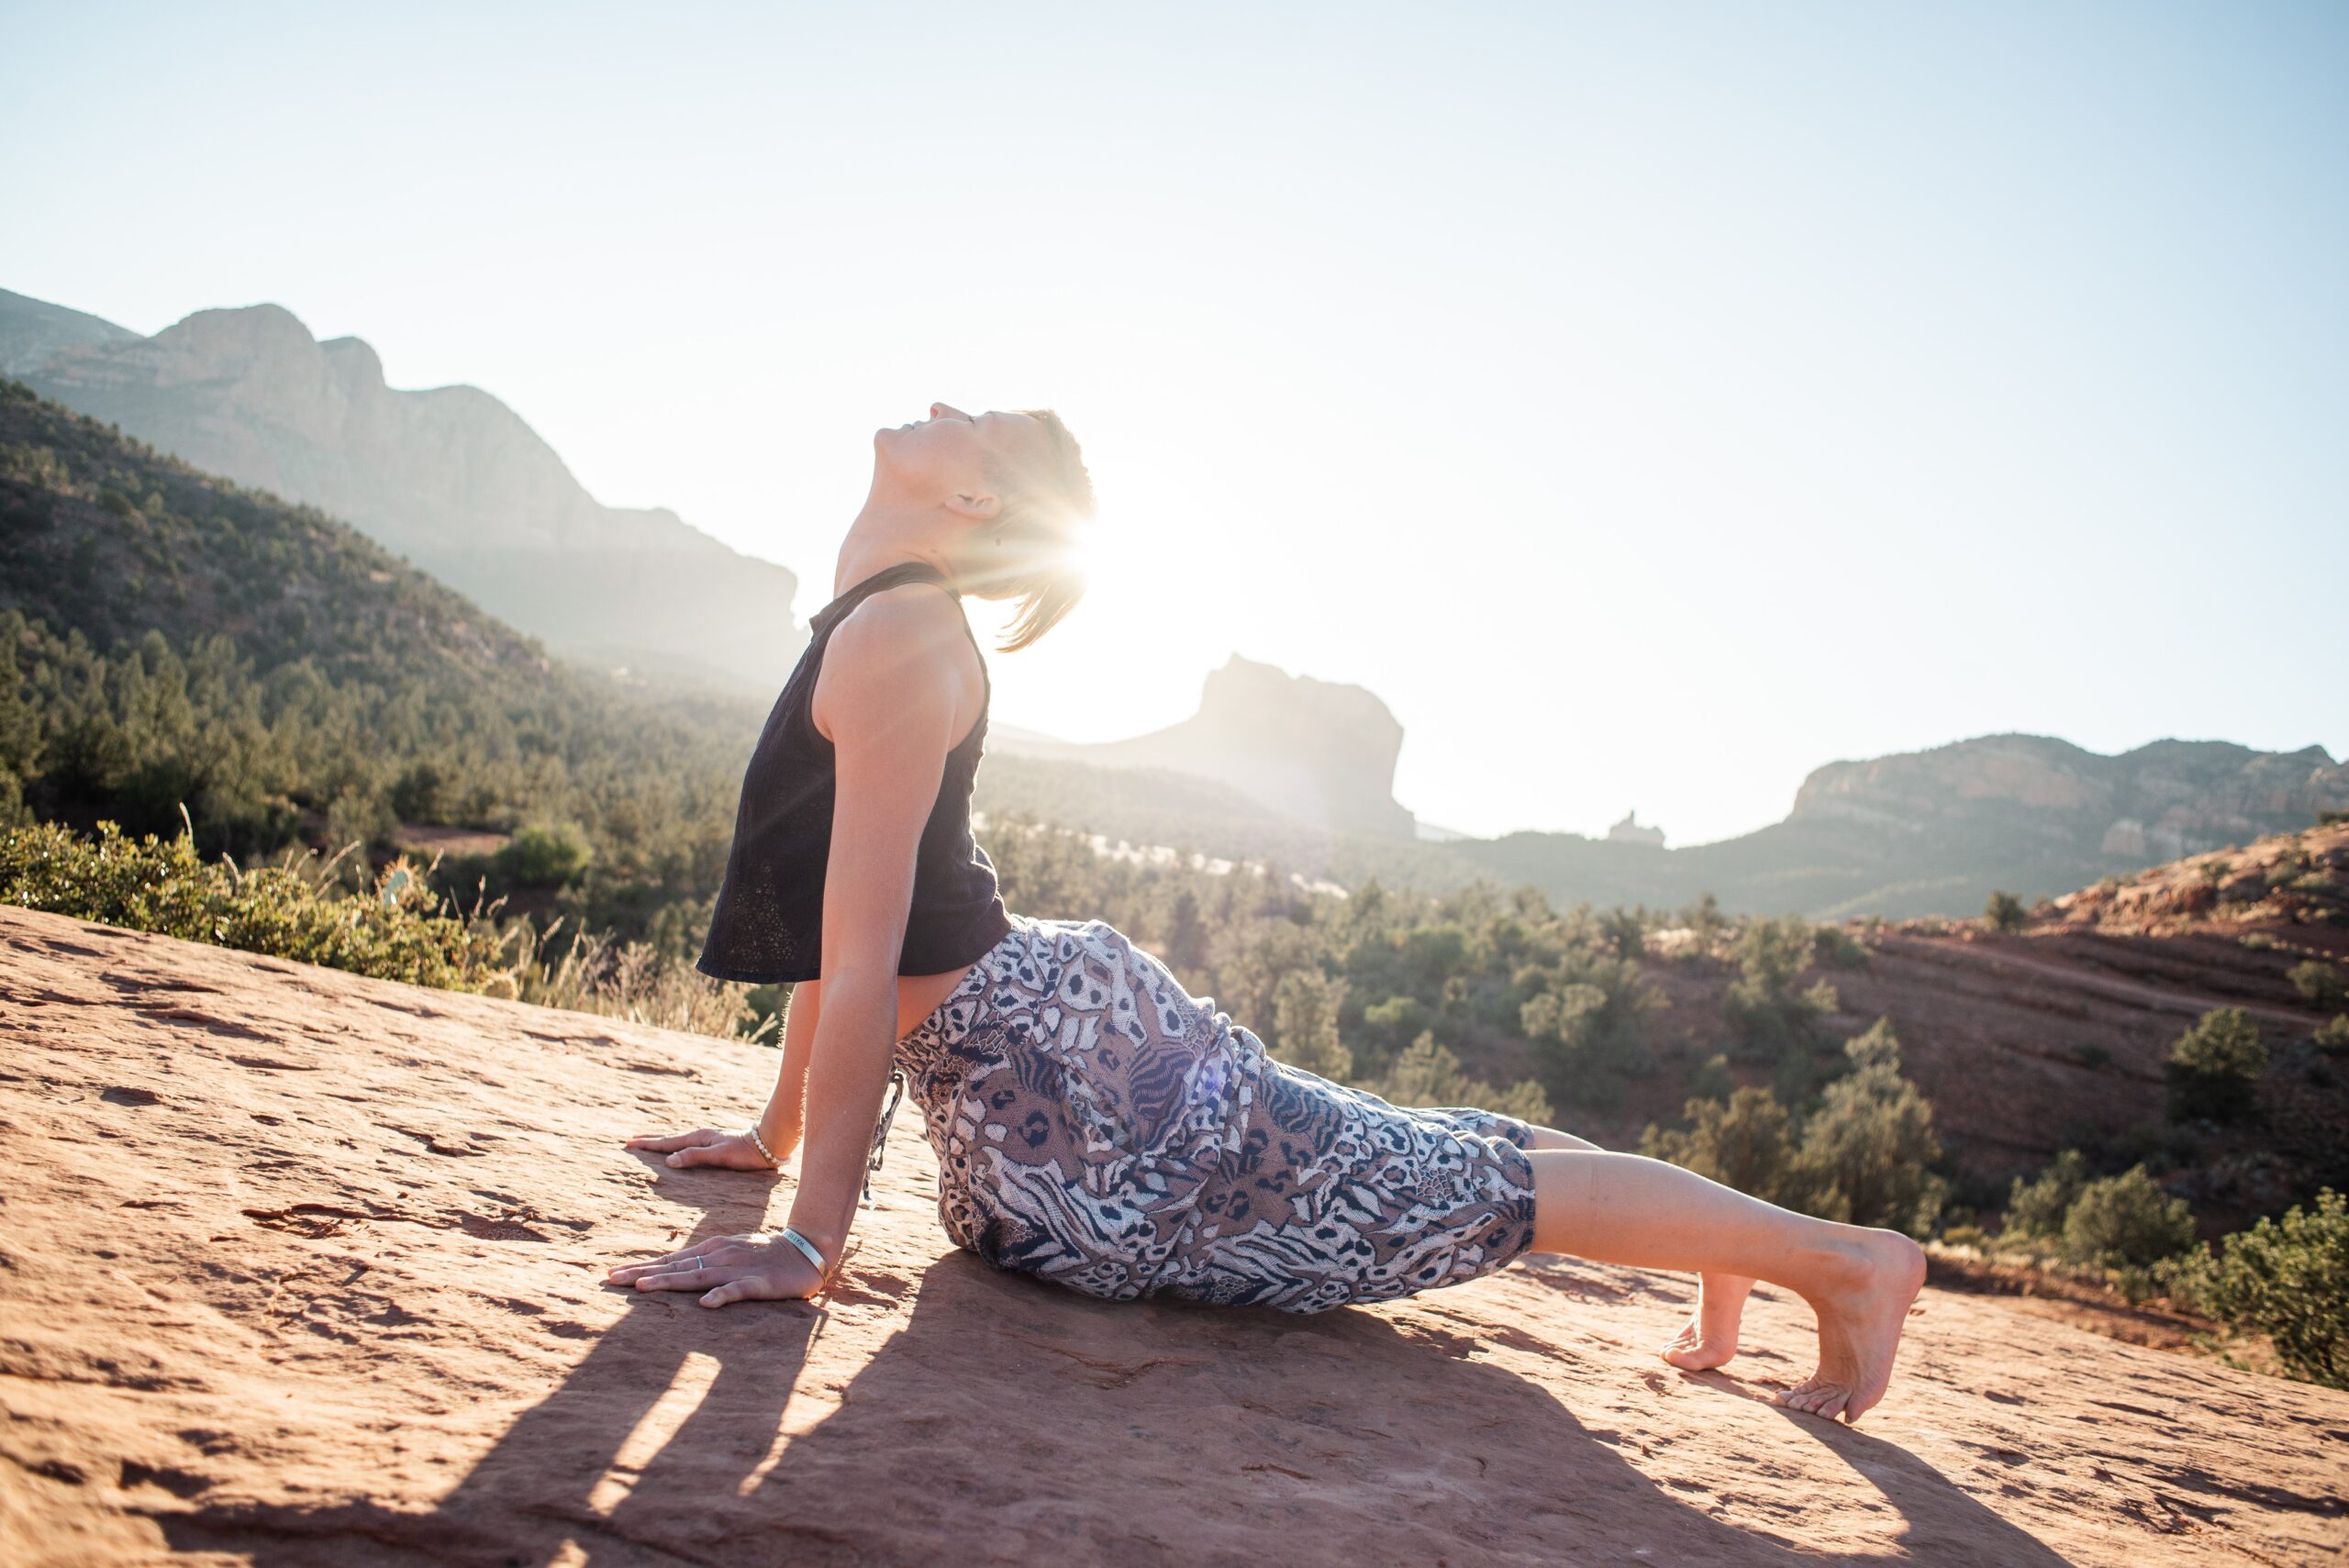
(709, 1146)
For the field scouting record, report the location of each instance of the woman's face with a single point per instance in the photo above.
(950, 453)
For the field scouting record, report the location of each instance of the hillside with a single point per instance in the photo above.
(168, 637)
(450, 478)
(2054, 1037)
(32, 331)
(305, 1269)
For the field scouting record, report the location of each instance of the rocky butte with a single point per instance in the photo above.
(1320, 752)
(302, 1267)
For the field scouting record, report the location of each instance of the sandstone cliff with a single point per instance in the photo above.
(450, 477)
(299, 1268)
(1320, 753)
(1933, 833)
(2158, 802)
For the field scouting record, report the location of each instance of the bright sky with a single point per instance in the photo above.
(1650, 403)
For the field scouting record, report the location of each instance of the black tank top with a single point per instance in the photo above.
(768, 923)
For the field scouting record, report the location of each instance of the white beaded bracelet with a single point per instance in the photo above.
(753, 1133)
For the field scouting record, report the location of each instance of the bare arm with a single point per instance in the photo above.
(781, 1123)
(890, 698)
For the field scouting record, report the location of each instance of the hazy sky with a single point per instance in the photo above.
(1650, 403)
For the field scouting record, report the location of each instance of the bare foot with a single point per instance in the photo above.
(1709, 1337)
(1860, 1319)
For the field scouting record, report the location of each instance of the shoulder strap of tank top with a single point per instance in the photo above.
(887, 577)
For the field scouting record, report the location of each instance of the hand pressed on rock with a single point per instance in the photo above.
(732, 1268)
(709, 1146)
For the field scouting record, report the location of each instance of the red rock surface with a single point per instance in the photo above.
(302, 1267)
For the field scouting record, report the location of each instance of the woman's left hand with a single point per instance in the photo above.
(731, 1268)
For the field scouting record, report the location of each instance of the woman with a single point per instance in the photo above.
(1095, 1124)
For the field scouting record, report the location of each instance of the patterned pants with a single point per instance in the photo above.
(1098, 1126)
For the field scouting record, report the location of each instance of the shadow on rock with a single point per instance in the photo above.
(995, 1418)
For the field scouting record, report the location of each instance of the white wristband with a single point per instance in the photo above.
(808, 1247)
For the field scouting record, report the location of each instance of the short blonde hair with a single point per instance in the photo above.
(1045, 503)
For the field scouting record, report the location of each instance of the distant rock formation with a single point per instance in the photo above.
(2158, 802)
(1318, 752)
(450, 477)
(1934, 832)
(1630, 831)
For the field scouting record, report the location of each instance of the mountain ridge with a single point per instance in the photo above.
(451, 477)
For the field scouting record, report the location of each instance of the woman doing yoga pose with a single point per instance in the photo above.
(1095, 1125)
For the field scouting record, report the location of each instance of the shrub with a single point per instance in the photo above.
(1566, 1016)
(543, 855)
(420, 795)
(391, 930)
(1760, 1005)
(2038, 1207)
(2126, 1219)
(1396, 1022)
(2004, 912)
(1711, 1079)
(2332, 1037)
(1582, 1016)
(2289, 1280)
(1862, 1157)
(1429, 1075)
(1835, 945)
(1745, 1142)
(2214, 1068)
(1305, 1024)
(1866, 1151)
(2319, 984)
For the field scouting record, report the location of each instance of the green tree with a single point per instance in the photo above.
(1867, 1150)
(1305, 1024)
(1427, 1074)
(2126, 1219)
(2214, 1068)
(1186, 934)
(545, 854)
(2038, 1207)
(1746, 1142)
(2004, 912)
(1393, 1024)
(1761, 1006)
(2318, 982)
(2290, 1279)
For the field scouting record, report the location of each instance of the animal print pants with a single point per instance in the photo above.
(1098, 1126)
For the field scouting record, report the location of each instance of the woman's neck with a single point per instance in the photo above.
(887, 534)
